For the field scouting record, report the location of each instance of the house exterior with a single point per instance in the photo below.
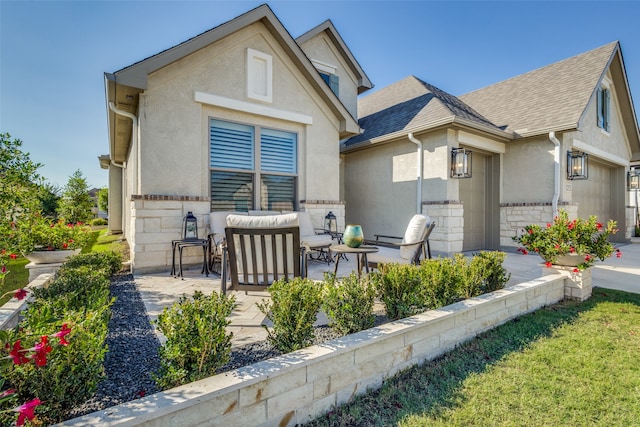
(241, 117)
(520, 134)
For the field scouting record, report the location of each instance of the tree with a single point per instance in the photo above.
(18, 192)
(75, 204)
(49, 196)
(103, 199)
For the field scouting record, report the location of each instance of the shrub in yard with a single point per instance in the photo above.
(494, 275)
(77, 289)
(468, 276)
(440, 283)
(108, 260)
(99, 221)
(293, 309)
(197, 341)
(349, 303)
(398, 286)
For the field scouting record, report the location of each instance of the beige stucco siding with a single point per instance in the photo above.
(321, 48)
(175, 128)
(528, 171)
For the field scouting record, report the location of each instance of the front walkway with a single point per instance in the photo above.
(160, 290)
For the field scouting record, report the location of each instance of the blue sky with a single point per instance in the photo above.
(53, 53)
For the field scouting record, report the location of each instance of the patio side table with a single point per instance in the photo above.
(360, 253)
(184, 243)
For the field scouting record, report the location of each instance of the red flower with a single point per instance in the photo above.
(65, 246)
(572, 250)
(587, 258)
(13, 256)
(618, 253)
(548, 225)
(20, 294)
(548, 264)
(41, 349)
(599, 226)
(557, 246)
(575, 270)
(530, 231)
(26, 411)
(17, 354)
(64, 331)
(4, 251)
(3, 269)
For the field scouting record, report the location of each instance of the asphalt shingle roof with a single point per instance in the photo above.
(544, 99)
(406, 105)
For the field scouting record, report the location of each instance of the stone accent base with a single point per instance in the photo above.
(577, 285)
(447, 237)
(37, 269)
(515, 216)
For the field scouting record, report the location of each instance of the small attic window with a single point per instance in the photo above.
(328, 74)
(604, 108)
(259, 76)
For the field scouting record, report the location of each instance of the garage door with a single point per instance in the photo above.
(593, 195)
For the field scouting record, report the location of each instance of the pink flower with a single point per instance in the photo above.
(41, 351)
(7, 393)
(64, 331)
(3, 269)
(20, 294)
(17, 354)
(618, 253)
(548, 264)
(27, 411)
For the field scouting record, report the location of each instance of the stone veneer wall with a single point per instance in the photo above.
(447, 237)
(318, 209)
(515, 216)
(157, 220)
(297, 387)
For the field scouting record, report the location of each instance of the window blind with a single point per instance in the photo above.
(278, 151)
(231, 145)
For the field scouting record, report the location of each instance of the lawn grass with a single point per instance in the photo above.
(17, 278)
(572, 364)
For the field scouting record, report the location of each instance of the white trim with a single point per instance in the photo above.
(324, 67)
(259, 76)
(249, 107)
(593, 151)
(480, 142)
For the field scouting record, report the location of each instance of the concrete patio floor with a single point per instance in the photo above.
(160, 290)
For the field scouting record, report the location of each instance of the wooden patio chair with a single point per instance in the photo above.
(257, 256)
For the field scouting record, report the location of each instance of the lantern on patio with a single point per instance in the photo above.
(633, 179)
(189, 227)
(460, 163)
(330, 223)
(577, 165)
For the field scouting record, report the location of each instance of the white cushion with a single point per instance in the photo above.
(306, 227)
(387, 255)
(316, 241)
(218, 222)
(415, 233)
(263, 213)
(264, 221)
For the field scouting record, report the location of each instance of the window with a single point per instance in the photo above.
(603, 105)
(242, 156)
(332, 81)
(259, 76)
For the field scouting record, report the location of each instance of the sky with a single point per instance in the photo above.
(53, 54)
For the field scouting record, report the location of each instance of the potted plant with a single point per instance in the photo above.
(42, 240)
(577, 243)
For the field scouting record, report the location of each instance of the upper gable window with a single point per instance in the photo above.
(328, 74)
(259, 76)
(604, 108)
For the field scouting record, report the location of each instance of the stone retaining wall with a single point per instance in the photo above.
(297, 387)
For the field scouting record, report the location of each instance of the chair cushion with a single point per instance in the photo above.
(387, 255)
(306, 227)
(263, 221)
(415, 233)
(263, 213)
(316, 241)
(218, 221)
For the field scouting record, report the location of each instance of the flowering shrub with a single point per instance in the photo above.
(40, 233)
(584, 237)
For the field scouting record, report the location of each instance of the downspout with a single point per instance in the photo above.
(556, 170)
(135, 131)
(419, 178)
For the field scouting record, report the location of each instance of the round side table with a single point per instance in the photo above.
(360, 253)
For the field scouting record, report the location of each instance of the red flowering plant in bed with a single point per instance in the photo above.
(586, 238)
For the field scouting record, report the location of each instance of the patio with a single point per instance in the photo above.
(160, 290)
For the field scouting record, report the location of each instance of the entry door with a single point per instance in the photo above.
(473, 194)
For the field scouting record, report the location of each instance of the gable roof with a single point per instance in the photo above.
(123, 86)
(327, 26)
(412, 105)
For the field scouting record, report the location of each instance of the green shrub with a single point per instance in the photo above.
(398, 286)
(440, 283)
(494, 275)
(197, 342)
(349, 303)
(76, 289)
(468, 276)
(293, 308)
(108, 260)
(98, 222)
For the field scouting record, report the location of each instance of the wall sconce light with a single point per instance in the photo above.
(633, 179)
(460, 163)
(577, 165)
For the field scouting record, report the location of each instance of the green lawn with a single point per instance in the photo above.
(573, 364)
(100, 241)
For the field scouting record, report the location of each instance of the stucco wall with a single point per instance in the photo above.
(528, 171)
(174, 127)
(321, 48)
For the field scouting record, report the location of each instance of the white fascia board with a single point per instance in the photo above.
(480, 142)
(251, 108)
(593, 151)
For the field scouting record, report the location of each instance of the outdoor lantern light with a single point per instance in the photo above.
(633, 179)
(577, 165)
(460, 163)
(189, 227)
(330, 223)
